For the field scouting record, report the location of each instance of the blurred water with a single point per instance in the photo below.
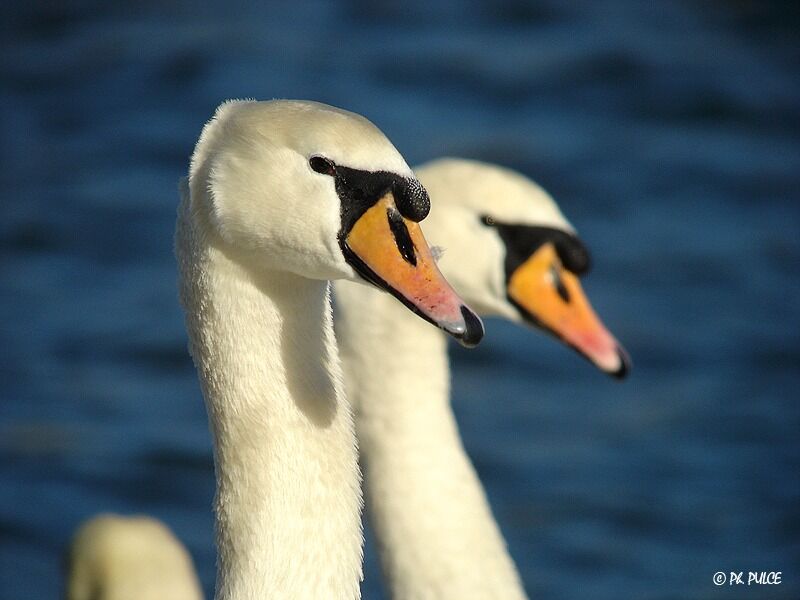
(668, 132)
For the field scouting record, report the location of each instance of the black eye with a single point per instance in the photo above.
(322, 165)
(487, 220)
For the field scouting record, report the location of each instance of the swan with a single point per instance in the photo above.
(509, 252)
(129, 558)
(281, 197)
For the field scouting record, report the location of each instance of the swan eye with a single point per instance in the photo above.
(488, 221)
(322, 165)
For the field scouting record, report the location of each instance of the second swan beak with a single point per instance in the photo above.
(552, 298)
(390, 251)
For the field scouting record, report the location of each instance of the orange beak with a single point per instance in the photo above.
(552, 298)
(390, 251)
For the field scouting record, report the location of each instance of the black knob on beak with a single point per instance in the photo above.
(412, 199)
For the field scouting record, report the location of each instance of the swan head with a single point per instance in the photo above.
(510, 252)
(322, 193)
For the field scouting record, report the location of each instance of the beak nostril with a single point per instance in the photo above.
(402, 238)
(561, 289)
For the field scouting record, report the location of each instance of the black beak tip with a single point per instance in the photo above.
(625, 364)
(473, 334)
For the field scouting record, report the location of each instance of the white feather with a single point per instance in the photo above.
(256, 239)
(436, 534)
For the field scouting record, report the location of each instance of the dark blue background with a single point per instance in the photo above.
(668, 132)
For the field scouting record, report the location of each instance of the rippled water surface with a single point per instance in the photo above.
(667, 131)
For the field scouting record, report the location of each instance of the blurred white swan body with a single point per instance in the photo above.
(435, 531)
(129, 558)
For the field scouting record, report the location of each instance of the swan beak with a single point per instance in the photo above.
(552, 298)
(390, 251)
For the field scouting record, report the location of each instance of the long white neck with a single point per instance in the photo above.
(288, 495)
(436, 534)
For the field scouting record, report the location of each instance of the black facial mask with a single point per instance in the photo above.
(522, 241)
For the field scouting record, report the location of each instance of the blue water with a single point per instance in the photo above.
(668, 131)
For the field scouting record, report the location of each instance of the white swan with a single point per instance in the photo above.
(281, 197)
(129, 558)
(510, 252)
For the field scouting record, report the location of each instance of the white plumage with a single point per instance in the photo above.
(256, 241)
(129, 558)
(436, 534)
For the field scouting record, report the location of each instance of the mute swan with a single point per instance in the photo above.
(510, 252)
(283, 196)
(129, 558)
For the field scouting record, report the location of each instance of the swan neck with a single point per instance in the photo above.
(436, 534)
(288, 487)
